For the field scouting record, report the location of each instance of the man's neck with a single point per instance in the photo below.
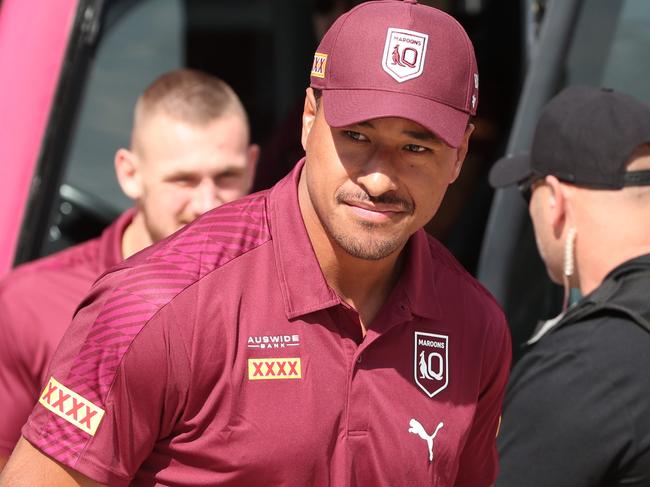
(135, 236)
(612, 228)
(595, 267)
(365, 285)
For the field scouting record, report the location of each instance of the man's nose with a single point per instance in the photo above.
(379, 175)
(205, 197)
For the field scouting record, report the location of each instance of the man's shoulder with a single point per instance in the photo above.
(38, 300)
(590, 349)
(72, 265)
(607, 334)
(160, 272)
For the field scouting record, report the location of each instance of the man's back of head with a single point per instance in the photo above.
(589, 172)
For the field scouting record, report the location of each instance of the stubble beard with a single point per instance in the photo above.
(373, 250)
(363, 244)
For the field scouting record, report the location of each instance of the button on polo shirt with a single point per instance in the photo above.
(222, 357)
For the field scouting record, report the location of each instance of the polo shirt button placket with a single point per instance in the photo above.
(405, 312)
(358, 403)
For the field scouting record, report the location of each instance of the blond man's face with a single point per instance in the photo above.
(186, 170)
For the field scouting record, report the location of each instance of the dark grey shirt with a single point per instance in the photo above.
(577, 407)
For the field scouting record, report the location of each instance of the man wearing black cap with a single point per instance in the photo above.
(577, 408)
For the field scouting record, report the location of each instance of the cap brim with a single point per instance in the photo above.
(347, 107)
(510, 170)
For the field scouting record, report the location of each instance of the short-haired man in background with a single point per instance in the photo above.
(577, 409)
(312, 334)
(190, 152)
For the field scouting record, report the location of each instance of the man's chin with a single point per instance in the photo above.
(368, 248)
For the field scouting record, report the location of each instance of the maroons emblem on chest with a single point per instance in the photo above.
(431, 362)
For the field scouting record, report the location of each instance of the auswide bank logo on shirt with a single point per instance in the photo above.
(273, 341)
(71, 406)
(430, 365)
(274, 368)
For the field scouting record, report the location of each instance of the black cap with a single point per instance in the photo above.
(585, 136)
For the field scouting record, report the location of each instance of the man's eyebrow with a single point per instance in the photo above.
(224, 171)
(180, 173)
(416, 134)
(425, 136)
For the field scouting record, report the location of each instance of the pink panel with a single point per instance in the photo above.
(33, 38)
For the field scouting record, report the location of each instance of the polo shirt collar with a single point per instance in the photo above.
(421, 277)
(304, 288)
(303, 285)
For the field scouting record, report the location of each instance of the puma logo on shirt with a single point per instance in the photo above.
(416, 428)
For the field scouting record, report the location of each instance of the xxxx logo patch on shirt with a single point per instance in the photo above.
(274, 368)
(71, 406)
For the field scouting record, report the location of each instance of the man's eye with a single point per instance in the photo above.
(184, 181)
(415, 148)
(355, 135)
(228, 177)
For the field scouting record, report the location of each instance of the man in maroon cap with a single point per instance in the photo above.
(311, 334)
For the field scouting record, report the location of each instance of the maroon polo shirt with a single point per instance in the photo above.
(37, 301)
(220, 356)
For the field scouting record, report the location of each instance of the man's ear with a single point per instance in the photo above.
(461, 152)
(557, 202)
(308, 116)
(127, 169)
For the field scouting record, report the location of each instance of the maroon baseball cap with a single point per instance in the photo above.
(395, 58)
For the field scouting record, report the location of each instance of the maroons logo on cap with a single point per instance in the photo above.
(404, 54)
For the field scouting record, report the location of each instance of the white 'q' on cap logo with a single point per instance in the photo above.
(404, 54)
